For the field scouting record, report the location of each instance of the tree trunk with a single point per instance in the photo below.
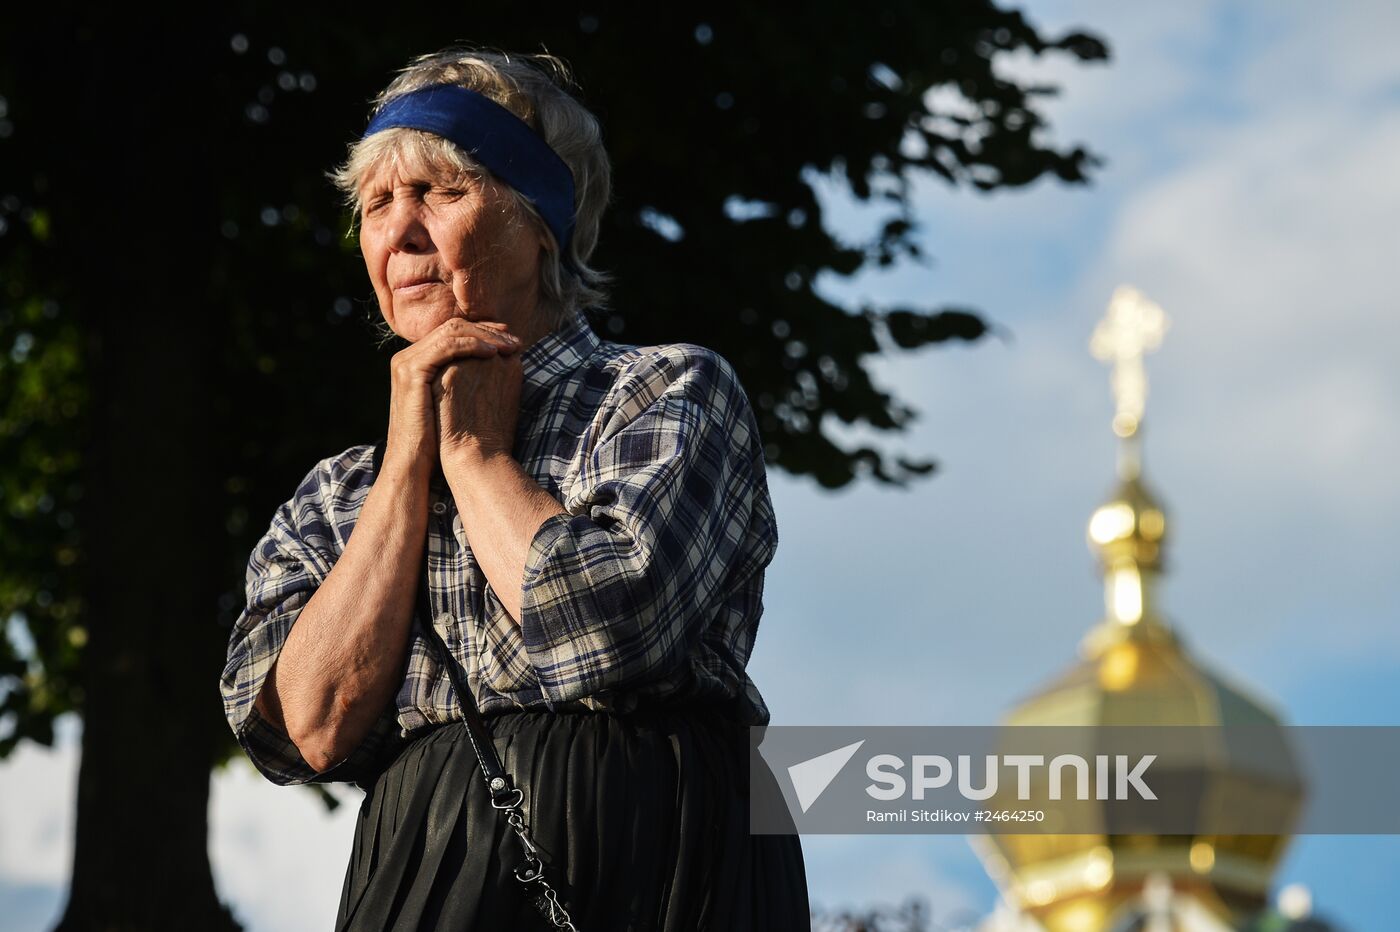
(133, 123)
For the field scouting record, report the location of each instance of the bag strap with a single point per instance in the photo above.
(498, 782)
(505, 795)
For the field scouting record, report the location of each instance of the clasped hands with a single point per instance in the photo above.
(476, 397)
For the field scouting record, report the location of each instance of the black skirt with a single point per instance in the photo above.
(645, 815)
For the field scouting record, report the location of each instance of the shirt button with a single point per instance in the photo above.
(439, 508)
(446, 619)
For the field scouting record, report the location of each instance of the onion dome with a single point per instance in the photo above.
(1134, 669)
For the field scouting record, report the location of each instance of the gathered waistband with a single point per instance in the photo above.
(692, 708)
(723, 713)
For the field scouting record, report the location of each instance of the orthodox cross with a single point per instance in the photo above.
(1132, 327)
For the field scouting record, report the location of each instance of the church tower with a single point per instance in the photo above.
(1135, 670)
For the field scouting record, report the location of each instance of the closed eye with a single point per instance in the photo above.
(445, 194)
(376, 202)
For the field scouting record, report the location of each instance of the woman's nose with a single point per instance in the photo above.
(406, 230)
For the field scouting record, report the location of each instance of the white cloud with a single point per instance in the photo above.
(1278, 284)
(278, 856)
(38, 795)
(1339, 56)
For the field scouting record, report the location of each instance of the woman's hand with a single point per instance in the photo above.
(413, 417)
(478, 400)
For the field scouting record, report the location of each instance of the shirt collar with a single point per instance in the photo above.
(554, 356)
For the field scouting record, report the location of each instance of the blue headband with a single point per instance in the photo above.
(496, 138)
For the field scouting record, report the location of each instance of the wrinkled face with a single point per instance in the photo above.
(440, 245)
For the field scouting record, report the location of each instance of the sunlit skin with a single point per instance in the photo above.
(438, 246)
(441, 248)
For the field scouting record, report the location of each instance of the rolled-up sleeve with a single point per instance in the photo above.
(286, 566)
(668, 515)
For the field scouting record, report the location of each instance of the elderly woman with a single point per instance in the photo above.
(559, 538)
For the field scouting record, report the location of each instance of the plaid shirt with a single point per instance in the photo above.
(647, 589)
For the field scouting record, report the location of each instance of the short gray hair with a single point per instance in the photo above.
(536, 89)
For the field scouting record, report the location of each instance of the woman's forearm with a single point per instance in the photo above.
(343, 658)
(502, 508)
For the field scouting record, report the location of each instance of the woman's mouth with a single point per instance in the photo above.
(409, 289)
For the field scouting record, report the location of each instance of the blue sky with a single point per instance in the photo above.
(1250, 189)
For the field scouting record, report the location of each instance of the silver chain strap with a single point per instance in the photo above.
(531, 870)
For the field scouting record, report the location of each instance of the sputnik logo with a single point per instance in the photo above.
(810, 778)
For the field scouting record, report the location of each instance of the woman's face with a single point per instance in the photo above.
(438, 246)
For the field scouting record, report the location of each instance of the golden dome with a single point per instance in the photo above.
(1134, 670)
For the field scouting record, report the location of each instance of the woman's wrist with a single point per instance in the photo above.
(470, 455)
(411, 468)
